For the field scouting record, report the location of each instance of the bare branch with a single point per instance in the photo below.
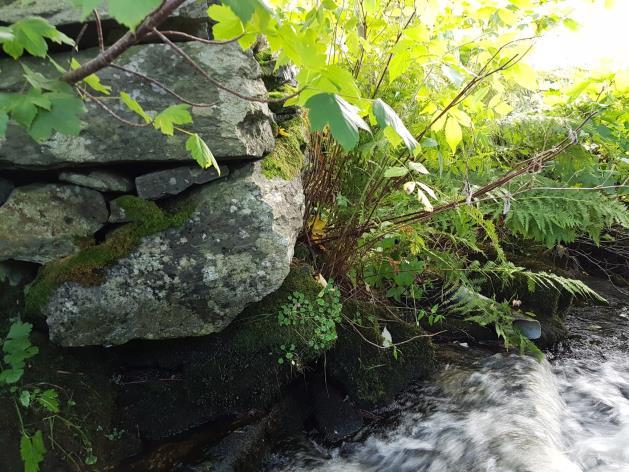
(183, 35)
(110, 111)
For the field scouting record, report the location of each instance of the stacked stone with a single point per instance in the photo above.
(61, 197)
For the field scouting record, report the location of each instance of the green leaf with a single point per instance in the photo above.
(4, 121)
(201, 153)
(25, 398)
(92, 80)
(131, 13)
(386, 116)
(63, 116)
(571, 24)
(245, 9)
(32, 451)
(343, 118)
(19, 330)
(49, 399)
(31, 34)
(171, 116)
(395, 172)
(134, 106)
(454, 135)
(11, 376)
(228, 25)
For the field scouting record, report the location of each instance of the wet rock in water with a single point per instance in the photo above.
(43, 222)
(191, 280)
(170, 182)
(6, 187)
(233, 128)
(336, 417)
(102, 180)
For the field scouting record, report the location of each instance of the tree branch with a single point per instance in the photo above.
(129, 39)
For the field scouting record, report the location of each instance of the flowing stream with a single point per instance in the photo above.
(501, 412)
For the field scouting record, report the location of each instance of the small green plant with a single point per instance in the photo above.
(315, 320)
(431, 315)
(17, 349)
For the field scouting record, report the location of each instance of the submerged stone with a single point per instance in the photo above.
(232, 127)
(192, 280)
(163, 183)
(102, 180)
(43, 222)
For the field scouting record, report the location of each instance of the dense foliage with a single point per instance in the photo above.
(436, 155)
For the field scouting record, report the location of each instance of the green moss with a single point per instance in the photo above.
(287, 159)
(370, 375)
(86, 267)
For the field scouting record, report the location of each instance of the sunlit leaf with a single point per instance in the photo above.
(386, 116)
(453, 132)
(135, 107)
(201, 152)
(342, 117)
(172, 116)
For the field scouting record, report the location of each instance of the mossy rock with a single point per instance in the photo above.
(87, 266)
(372, 376)
(287, 158)
(227, 373)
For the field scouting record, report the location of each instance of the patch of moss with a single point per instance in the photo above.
(373, 376)
(287, 159)
(87, 266)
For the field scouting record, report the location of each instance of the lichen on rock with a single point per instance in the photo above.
(191, 280)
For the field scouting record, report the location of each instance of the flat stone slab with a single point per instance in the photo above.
(102, 180)
(233, 128)
(169, 182)
(64, 12)
(43, 222)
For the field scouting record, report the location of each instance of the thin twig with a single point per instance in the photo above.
(111, 112)
(191, 37)
(99, 31)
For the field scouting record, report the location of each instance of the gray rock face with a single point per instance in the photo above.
(232, 127)
(64, 12)
(41, 222)
(6, 187)
(193, 280)
(169, 182)
(102, 180)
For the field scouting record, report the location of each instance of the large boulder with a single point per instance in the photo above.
(191, 16)
(233, 128)
(192, 280)
(43, 222)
